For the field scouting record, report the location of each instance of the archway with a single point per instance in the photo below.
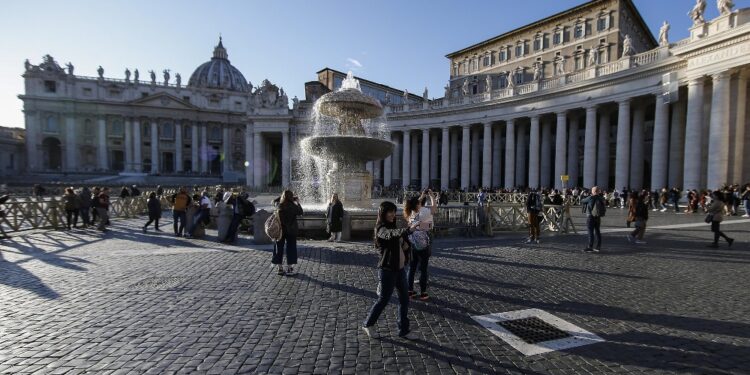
(52, 153)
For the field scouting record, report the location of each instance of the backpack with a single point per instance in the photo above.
(273, 227)
(419, 240)
(597, 208)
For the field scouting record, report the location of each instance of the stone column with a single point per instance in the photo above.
(32, 130)
(718, 135)
(226, 150)
(434, 161)
(178, 147)
(475, 157)
(102, 151)
(573, 152)
(71, 149)
(194, 148)
(387, 167)
(137, 143)
(546, 154)
(589, 149)
(128, 145)
(636, 153)
(286, 160)
(406, 159)
(154, 147)
(740, 116)
(510, 154)
(602, 165)
(522, 153)
(445, 159)
(676, 145)
(487, 155)
(534, 134)
(561, 151)
(425, 158)
(396, 166)
(622, 149)
(258, 160)
(660, 146)
(415, 159)
(694, 135)
(454, 156)
(465, 156)
(249, 157)
(204, 148)
(497, 149)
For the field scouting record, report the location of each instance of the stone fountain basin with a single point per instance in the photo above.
(349, 101)
(348, 149)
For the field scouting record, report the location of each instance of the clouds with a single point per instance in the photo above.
(353, 63)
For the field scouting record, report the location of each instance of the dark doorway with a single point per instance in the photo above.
(52, 153)
(167, 162)
(118, 161)
(146, 168)
(215, 158)
(187, 165)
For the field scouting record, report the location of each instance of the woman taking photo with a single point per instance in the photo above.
(335, 218)
(394, 256)
(715, 217)
(420, 216)
(288, 210)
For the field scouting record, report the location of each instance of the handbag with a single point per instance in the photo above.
(273, 227)
(709, 218)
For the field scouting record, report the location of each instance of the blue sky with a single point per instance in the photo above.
(399, 43)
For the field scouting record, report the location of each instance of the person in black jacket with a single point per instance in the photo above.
(289, 209)
(154, 212)
(335, 218)
(394, 256)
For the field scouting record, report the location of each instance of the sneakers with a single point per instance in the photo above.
(370, 332)
(411, 335)
(280, 271)
(379, 290)
(424, 297)
(745, 215)
(730, 242)
(630, 238)
(590, 250)
(528, 240)
(537, 241)
(144, 229)
(290, 271)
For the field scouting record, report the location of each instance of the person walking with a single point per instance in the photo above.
(533, 210)
(72, 205)
(715, 216)
(95, 204)
(202, 214)
(632, 203)
(154, 212)
(746, 200)
(289, 209)
(335, 218)
(394, 256)
(418, 214)
(85, 210)
(639, 211)
(180, 202)
(124, 193)
(595, 210)
(102, 209)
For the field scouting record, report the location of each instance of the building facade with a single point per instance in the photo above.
(12, 151)
(588, 93)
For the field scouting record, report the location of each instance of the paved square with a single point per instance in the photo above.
(125, 302)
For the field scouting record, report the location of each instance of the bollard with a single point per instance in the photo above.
(223, 220)
(346, 227)
(259, 228)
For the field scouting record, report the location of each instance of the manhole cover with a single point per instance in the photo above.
(158, 283)
(533, 330)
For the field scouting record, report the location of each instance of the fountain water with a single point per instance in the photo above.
(348, 131)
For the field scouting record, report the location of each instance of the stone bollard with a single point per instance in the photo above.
(259, 228)
(346, 227)
(223, 220)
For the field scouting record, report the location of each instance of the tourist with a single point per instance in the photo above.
(746, 199)
(203, 214)
(418, 214)
(394, 255)
(180, 202)
(663, 197)
(72, 205)
(595, 210)
(154, 212)
(533, 210)
(289, 209)
(134, 192)
(632, 203)
(3, 199)
(85, 210)
(102, 209)
(443, 198)
(481, 198)
(242, 208)
(638, 210)
(124, 193)
(159, 191)
(715, 216)
(335, 218)
(675, 195)
(95, 204)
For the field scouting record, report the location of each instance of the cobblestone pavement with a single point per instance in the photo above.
(128, 302)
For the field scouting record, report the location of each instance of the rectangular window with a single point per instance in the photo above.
(502, 55)
(486, 60)
(167, 131)
(601, 24)
(237, 106)
(50, 86)
(557, 38)
(537, 44)
(519, 51)
(579, 31)
(87, 91)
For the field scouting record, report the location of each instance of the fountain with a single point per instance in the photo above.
(347, 134)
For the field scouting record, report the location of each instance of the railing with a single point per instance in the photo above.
(609, 68)
(513, 217)
(550, 83)
(647, 57)
(578, 76)
(525, 89)
(473, 197)
(437, 103)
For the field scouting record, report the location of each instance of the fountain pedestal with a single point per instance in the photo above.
(354, 188)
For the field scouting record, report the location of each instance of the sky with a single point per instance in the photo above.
(398, 43)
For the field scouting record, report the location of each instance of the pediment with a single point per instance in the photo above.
(163, 100)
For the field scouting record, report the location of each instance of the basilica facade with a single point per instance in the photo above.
(588, 93)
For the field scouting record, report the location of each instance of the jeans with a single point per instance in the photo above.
(534, 225)
(155, 221)
(421, 257)
(640, 229)
(716, 228)
(84, 212)
(594, 224)
(72, 217)
(179, 217)
(676, 206)
(197, 220)
(747, 207)
(291, 250)
(103, 218)
(388, 281)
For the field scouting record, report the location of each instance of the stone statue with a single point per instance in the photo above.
(295, 102)
(135, 75)
(697, 12)
(153, 76)
(424, 95)
(560, 71)
(465, 87)
(448, 91)
(166, 77)
(70, 67)
(178, 77)
(488, 83)
(664, 34)
(627, 46)
(537, 72)
(100, 71)
(27, 65)
(406, 96)
(127, 75)
(593, 56)
(387, 98)
(725, 6)
(511, 76)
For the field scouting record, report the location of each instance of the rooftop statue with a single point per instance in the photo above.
(697, 12)
(166, 77)
(178, 78)
(406, 96)
(100, 71)
(424, 94)
(127, 75)
(561, 66)
(71, 68)
(448, 91)
(511, 76)
(153, 77)
(664, 34)
(725, 6)
(627, 46)
(27, 65)
(135, 75)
